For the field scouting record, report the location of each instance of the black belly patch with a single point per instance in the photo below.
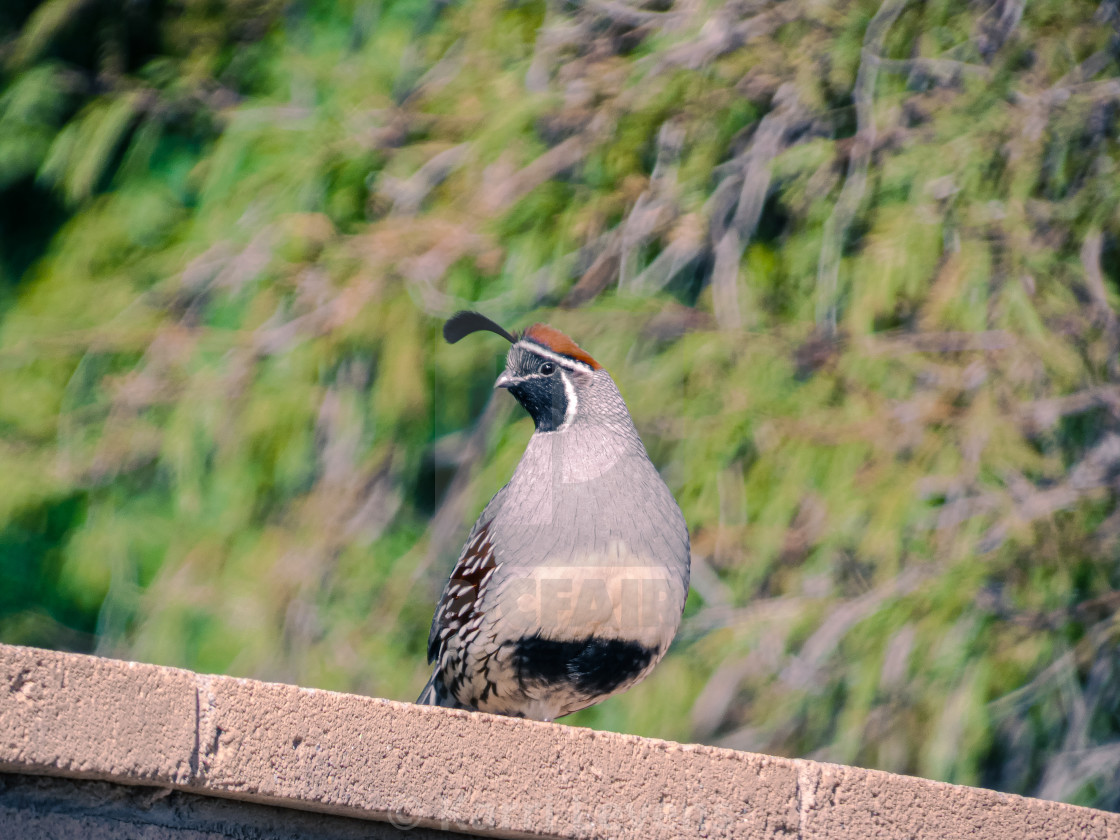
(591, 666)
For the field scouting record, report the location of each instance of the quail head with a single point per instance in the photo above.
(572, 582)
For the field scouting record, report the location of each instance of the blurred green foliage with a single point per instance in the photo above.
(854, 266)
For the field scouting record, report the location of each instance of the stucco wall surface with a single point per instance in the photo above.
(68, 715)
(53, 807)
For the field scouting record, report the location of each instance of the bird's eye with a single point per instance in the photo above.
(547, 369)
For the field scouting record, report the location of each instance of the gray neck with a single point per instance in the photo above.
(599, 436)
(588, 484)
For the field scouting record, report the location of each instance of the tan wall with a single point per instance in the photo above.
(82, 717)
(50, 808)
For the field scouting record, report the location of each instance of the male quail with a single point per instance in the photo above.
(572, 582)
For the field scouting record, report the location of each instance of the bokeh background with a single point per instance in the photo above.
(854, 265)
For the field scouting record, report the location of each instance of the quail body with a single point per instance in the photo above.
(572, 582)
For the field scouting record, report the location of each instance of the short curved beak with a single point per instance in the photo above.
(504, 380)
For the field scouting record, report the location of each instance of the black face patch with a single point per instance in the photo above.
(545, 400)
(592, 666)
(540, 388)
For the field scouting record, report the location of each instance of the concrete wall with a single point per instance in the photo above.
(48, 808)
(163, 743)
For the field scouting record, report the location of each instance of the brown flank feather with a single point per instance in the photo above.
(559, 343)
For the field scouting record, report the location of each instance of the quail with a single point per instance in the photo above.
(572, 582)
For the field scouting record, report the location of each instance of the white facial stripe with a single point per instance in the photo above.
(545, 353)
(526, 377)
(573, 401)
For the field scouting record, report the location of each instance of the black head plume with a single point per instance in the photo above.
(464, 322)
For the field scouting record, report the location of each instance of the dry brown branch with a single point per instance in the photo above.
(452, 241)
(958, 511)
(1024, 502)
(675, 320)
(721, 202)
(1088, 68)
(938, 342)
(686, 245)
(1039, 415)
(855, 184)
(767, 142)
(1091, 263)
(1078, 762)
(557, 33)
(1068, 771)
(1018, 701)
(649, 216)
(943, 69)
(1104, 539)
(1089, 611)
(706, 582)
(719, 693)
(248, 263)
(599, 274)
(1094, 472)
(893, 675)
(548, 281)
(202, 270)
(722, 34)
(628, 15)
(776, 616)
(1094, 280)
(438, 75)
(655, 209)
(1038, 106)
(561, 157)
(995, 27)
(802, 671)
(763, 611)
(408, 195)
